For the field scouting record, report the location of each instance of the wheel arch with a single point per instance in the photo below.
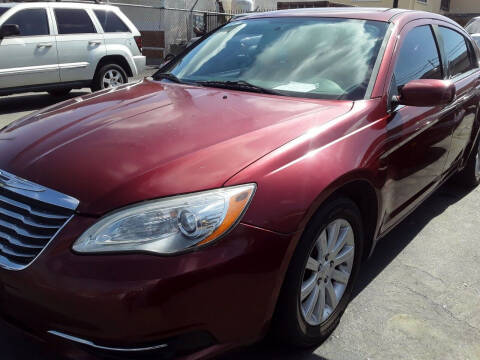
(115, 59)
(361, 190)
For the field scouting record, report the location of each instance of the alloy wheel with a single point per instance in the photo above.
(327, 272)
(112, 78)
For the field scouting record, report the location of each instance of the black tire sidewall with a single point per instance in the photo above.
(97, 80)
(467, 177)
(294, 328)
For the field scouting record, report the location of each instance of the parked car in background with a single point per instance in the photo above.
(56, 47)
(476, 37)
(239, 189)
(473, 26)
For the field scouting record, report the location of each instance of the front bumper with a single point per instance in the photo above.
(227, 290)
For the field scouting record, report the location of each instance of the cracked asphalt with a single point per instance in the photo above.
(418, 297)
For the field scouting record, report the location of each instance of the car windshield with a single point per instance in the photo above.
(473, 27)
(3, 10)
(325, 58)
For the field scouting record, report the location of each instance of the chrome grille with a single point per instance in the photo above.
(30, 216)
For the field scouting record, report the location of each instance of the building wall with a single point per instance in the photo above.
(424, 5)
(464, 6)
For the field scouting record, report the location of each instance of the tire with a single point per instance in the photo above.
(100, 80)
(469, 177)
(59, 92)
(290, 324)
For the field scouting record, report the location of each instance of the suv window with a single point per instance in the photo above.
(418, 58)
(31, 22)
(110, 21)
(457, 52)
(73, 21)
(3, 10)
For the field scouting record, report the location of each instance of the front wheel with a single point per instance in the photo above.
(319, 281)
(109, 76)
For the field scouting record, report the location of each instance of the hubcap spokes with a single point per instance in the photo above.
(327, 272)
(112, 78)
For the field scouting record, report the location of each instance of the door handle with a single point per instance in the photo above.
(47, 45)
(94, 42)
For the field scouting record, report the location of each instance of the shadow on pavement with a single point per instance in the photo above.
(30, 102)
(264, 351)
(389, 247)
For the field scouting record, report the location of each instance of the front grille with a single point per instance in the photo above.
(30, 216)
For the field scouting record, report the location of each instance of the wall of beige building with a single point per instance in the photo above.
(425, 5)
(464, 6)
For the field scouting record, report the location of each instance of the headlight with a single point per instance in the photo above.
(168, 225)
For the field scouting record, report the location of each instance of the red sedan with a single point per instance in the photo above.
(240, 188)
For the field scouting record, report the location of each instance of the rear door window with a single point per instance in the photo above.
(110, 21)
(457, 51)
(32, 22)
(418, 58)
(73, 21)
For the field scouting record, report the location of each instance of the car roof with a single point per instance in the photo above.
(365, 13)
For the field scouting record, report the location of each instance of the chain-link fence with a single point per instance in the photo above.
(167, 26)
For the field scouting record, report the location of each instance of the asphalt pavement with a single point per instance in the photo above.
(418, 297)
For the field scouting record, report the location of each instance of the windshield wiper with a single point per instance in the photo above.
(238, 85)
(168, 76)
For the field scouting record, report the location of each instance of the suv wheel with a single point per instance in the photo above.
(319, 281)
(109, 76)
(59, 92)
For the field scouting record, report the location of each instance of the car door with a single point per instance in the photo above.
(463, 70)
(115, 31)
(29, 58)
(80, 45)
(418, 138)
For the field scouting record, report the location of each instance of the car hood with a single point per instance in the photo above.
(153, 139)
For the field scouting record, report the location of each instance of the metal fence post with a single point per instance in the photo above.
(190, 25)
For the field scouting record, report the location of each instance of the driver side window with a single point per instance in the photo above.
(418, 57)
(32, 22)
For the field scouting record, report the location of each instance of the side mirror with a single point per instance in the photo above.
(9, 30)
(427, 93)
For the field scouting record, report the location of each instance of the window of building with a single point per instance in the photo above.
(445, 5)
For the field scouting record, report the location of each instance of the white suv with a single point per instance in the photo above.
(56, 47)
